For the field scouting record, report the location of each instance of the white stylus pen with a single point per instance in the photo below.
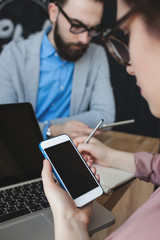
(91, 134)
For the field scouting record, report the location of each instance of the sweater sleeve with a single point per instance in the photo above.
(148, 167)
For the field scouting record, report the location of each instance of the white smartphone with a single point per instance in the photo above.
(71, 170)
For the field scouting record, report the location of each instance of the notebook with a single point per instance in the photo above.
(24, 210)
(112, 178)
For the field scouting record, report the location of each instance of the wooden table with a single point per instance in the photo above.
(124, 201)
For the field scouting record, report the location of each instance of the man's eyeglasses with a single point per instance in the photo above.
(117, 48)
(78, 27)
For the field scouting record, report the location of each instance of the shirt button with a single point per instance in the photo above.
(61, 87)
(55, 54)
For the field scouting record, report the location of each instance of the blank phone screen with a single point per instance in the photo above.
(71, 168)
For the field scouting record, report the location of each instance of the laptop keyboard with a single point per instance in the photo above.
(22, 200)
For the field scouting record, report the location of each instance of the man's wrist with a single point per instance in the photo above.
(56, 129)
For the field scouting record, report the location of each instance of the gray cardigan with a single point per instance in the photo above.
(92, 95)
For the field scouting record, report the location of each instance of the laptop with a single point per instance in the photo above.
(24, 210)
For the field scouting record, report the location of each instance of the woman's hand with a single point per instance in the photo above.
(94, 151)
(74, 220)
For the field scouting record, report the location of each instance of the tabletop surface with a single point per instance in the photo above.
(130, 143)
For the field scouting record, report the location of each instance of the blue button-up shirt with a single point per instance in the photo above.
(55, 84)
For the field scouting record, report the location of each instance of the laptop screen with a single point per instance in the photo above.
(20, 157)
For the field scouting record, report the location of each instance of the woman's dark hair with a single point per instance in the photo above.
(150, 11)
(63, 2)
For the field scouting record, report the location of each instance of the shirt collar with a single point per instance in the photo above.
(47, 48)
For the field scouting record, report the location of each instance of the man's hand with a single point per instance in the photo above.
(72, 129)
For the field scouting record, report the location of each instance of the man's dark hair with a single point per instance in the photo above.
(63, 2)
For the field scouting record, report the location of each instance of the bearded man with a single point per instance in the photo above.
(60, 72)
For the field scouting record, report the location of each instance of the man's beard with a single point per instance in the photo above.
(68, 51)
